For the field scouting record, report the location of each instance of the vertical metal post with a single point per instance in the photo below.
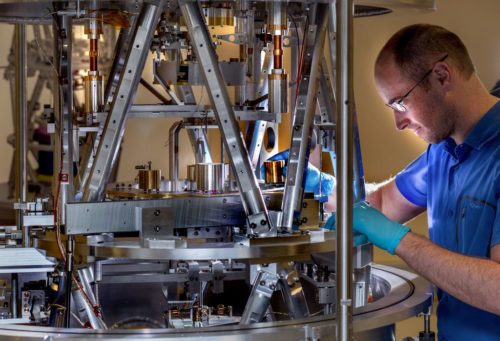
(173, 153)
(63, 108)
(344, 173)
(69, 277)
(21, 127)
(14, 296)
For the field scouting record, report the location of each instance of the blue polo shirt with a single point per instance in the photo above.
(460, 187)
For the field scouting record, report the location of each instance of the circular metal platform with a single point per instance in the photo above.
(404, 295)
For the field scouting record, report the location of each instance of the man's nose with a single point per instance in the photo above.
(401, 120)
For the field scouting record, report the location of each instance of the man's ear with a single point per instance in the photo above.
(442, 73)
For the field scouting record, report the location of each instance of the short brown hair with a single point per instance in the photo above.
(415, 47)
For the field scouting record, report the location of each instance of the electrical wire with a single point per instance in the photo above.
(44, 55)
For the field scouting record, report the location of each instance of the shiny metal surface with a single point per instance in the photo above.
(173, 153)
(209, 177)
(37, 11)
(303, 119)
(251, 196)
(21, 127)
(199, 142)
(344, 149)
(406, 296)
(280, 249)
(278, 91)
(193, 210)
(149, 179)
(62, 186)
(274, 172)
(196, 111)
(107, 151)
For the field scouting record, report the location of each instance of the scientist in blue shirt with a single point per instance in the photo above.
(425, 75)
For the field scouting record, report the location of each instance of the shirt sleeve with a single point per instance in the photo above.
(412, 181)
(495, 236)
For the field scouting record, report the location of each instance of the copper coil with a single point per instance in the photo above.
(274, 172)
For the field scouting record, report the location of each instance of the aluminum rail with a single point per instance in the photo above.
(303, 120)
(114, 128)
(93, 140)
(344, 15)
(21, 129)
(63, 110)
(21, 125)
(199, 141)
(253, 202)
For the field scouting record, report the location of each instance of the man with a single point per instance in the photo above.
(424, 73)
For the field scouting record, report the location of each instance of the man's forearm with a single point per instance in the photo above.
(472, 280)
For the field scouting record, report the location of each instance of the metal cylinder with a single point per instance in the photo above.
(218, 16)
(191, 172)
(278, 91)
(209, 177)
(277, 18)
(149, 179)
(94, 95)
(345, 97)
(274, 172)
(21, 127)
(191, 176)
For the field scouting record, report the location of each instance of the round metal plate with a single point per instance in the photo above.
(408, 296)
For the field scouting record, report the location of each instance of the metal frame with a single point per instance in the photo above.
(303, 119)
(257, 215)
(107, 151)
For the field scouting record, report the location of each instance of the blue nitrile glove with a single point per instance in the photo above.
(314, 178)
(380, 230)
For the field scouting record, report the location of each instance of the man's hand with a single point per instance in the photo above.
(317, 182)
(380, 230)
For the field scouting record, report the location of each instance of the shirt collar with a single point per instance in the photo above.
(486, 129)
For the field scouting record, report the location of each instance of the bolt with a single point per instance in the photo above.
(304, 205)
(272, 287)
(304, 220)
(263, 222)
(157, 213)
(157, 228)
(262, 283)
(253, 225)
